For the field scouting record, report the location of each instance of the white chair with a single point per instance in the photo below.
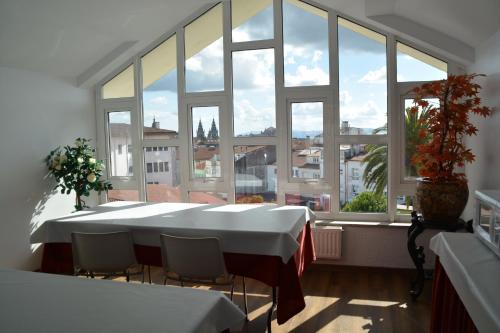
(198, 260)
(108, 254)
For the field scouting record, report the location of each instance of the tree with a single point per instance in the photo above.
(413, 128)
(367, 202)
(375, 174)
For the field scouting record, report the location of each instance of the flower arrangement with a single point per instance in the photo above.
(444, 126)
(76, 168)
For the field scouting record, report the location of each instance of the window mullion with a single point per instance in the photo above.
(281, 117)
(393, 128)
(226, 124)
(183, 116)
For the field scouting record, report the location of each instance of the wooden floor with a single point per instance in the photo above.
(341, 300)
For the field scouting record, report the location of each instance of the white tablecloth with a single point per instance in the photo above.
(474, 271)
(248, 229)
(37, 302)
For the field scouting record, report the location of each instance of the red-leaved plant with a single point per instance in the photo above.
(445, 126)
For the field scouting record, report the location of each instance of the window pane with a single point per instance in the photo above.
(412, 138)
(162, 185)
(404, 204)
(120, 144)
(305, 39)
(204, 52)
(206, 155)
(307, 140)
(121, 85)
(208, 198)
(315, 202)
(254, 97)
(252, 20)
(123, 195)
(362, 79)
(363, 178)
(159, 85)
(414, 65)
(255, 174)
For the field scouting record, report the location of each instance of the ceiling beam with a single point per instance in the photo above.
(105, 65)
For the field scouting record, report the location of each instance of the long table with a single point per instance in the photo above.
(466, 293)
(37, 302)
(269, 243)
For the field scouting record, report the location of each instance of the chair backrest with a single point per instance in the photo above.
(193, 258)
(103, 252)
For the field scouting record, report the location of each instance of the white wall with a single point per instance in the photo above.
(381, 246)
(484, 173)
(38, 113)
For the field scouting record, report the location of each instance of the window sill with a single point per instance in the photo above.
(383, 224)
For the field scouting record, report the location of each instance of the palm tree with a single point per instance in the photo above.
(413, 127)
(375, 174)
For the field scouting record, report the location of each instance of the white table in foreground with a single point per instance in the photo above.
(248, 229)
(37, 302)
(474, 271)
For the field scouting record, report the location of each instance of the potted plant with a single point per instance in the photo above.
(76, 168)
(442, 190)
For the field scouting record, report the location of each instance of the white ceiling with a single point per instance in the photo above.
(65, 38)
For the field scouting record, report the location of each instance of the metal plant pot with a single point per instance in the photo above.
(441, 202)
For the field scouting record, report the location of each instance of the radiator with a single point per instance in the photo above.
(327, 242)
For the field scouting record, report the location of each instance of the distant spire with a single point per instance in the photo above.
(200, 133)
(213, 134)
(156, 124)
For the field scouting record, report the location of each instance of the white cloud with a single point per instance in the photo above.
(376, 76)
(248, 118)
(366, 115)
(317, 56)
(160, 100)
(194, 64)
(345, 97)
(307, 76)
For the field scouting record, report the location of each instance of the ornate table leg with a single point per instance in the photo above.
(417, 255)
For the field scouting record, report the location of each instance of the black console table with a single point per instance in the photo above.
(418, 225)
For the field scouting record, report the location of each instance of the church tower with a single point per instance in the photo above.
(213, 134)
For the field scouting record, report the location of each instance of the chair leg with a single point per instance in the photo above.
(245, 298)
(271, 310)
(232, 290)
(142, 274)
(165, 280)
(149, 273)
(182, 283)
(128, 276)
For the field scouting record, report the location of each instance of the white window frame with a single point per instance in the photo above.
(328, 94)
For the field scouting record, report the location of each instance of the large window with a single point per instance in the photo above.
(120, 141)
(254, 174)
(205, 142)
(307, 140)
(252, 20)
(269, 101)
(362, 79)
(121, 86)
(305, 44)
(204, 52)
(159, 91)
(254, 96)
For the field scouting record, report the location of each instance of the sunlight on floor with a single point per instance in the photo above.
(371, 302)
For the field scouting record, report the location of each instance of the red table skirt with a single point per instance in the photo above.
(58, 259)
(448, 314)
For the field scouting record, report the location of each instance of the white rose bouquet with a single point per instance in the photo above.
(76, 168)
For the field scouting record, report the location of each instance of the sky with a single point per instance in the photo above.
(362, 74)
